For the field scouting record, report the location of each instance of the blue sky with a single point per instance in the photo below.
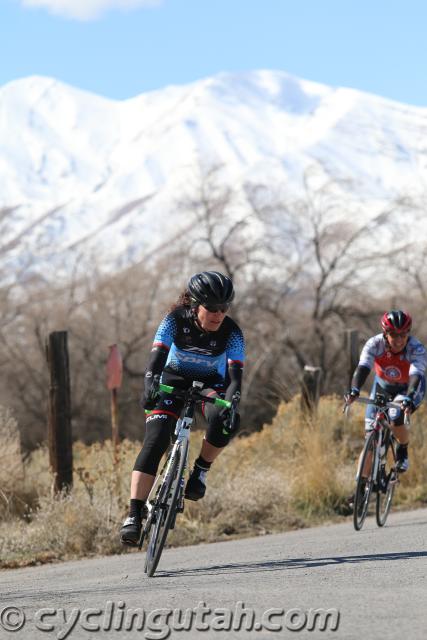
(121, 48)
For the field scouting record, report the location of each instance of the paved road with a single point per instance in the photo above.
(260, 588)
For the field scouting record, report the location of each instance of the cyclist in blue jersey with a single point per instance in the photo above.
(195, 341)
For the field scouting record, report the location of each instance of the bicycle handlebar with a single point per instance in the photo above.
(219, 402)
(386, 405)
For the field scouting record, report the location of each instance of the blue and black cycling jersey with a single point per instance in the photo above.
(183, 349)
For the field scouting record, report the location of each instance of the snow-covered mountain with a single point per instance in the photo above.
(76, 168)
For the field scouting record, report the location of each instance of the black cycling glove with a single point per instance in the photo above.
(351, 395)
(407, 403)
(150, 394)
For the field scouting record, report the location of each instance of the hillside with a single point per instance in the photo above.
(79, 171)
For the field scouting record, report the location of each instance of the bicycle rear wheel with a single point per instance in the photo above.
(165, 508)
(364, 483)
(387, 482)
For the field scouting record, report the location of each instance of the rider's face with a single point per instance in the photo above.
(397, 341)
(210, 320)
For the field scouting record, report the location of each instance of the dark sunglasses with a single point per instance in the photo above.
(395, 334)
(213, 308)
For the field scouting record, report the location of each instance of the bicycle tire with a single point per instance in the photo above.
(385, 498)
(165, 509)
(150, 524)
(363, 485)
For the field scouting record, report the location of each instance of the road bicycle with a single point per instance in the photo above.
(166, 498)
(377, 471)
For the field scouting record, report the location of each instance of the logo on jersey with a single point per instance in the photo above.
(168, 401)
(204, 352)
(186, 330)
(393, 373)
(193, 359)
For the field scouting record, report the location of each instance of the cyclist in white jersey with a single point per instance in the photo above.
(399, 361)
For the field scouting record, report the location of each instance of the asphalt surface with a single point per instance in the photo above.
(372, 583)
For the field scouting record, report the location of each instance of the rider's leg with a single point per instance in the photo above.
(401, 433)
(140, 485)
(215, 440)
(158, 429)
(209, 452)
(369, 423)
(402, 436)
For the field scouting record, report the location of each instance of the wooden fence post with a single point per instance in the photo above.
(114, 382)
(352, 348)
(310, 388)
(59, 413)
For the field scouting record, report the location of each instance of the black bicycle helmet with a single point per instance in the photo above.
(210, 288)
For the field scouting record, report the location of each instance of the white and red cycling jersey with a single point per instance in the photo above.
(394, 369)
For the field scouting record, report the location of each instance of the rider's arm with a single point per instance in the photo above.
(417, 369)
(370, 350)
(235, 373)
(413, 383)
(235, 353)
(163, 340)
(359, 377)
(155, 365)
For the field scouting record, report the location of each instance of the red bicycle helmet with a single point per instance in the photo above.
(396, 321)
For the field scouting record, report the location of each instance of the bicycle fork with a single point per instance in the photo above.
(182, 433)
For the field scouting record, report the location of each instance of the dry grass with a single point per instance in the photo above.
(11, 467)
(295, 473)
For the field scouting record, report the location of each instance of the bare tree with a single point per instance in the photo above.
(303, 272)
(335, 258)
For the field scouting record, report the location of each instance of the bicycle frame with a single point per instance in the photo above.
(370, 476)
(166, 498)
(182, 434)
(381, 423)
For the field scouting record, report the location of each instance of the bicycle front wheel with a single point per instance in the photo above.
(165, 508)
(387, 482)
(364, 482)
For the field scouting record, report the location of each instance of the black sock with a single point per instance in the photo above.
(202, 464)
(135, 508)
